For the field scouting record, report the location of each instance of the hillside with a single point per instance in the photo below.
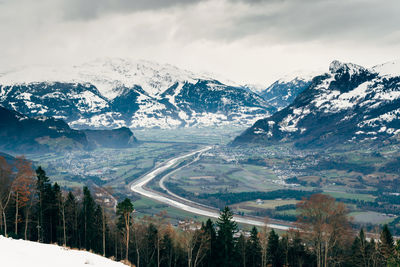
(349, 104)
(282, 92)
(21, 133)
(21, 253)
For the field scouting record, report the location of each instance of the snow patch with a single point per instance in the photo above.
(21, 253)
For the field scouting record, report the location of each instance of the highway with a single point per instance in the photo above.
(178, 202)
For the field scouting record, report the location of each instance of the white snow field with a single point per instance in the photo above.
(21, 253)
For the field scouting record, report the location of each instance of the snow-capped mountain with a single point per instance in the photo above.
(349, 104)
(118, 92)
(282, 92)
(255, 88)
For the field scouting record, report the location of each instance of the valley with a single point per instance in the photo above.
(255, 181)
(335, 133)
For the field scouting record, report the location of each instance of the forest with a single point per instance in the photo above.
(34, 208)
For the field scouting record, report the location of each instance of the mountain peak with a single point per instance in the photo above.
(338, 67)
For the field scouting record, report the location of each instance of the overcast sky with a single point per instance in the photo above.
(248, 41)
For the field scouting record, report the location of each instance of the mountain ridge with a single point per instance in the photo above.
(122, 93)
(20, 133)
(348, 104)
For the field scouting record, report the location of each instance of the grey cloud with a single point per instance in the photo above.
(309, 20)
(88, 9)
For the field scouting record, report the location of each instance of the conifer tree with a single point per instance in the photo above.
(167, 249)
(297, 254)
(273, 250)
(225, 238)
(241, 251)
(211, 255)
(386, 246)
(361, 250)
(124, 211)
(253, 249)
(43, 189)
(87, 217)
(71, 220)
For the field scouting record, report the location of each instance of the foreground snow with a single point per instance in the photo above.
(27, 253)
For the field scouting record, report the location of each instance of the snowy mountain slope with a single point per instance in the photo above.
(21, 253)
(349, 104)
(117, 92)
(282, 92)
(391, 68)
(255, 88)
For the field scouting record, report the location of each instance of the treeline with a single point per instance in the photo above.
(223, 199)
(35, 209)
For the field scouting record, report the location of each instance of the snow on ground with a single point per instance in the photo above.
(21, 253)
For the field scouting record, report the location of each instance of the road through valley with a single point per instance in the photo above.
(185, 204)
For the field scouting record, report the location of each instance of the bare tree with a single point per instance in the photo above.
(196, 243)
(5, 190)
(22, 186)
(263, 236)
(103, 192)
(325, 225)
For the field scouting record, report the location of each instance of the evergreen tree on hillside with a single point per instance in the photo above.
(208, 229)
(167, 250)
(273, 250)
(253, 249)
(87, 218)
(361, 251)
(71, 216)
(124, 211)
(386, 246)
(150, 245)
(241, 251)
(225, 238)
(56, 218)
(297, 254)
(44, 191)
(97, 244)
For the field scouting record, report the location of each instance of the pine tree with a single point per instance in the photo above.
(150, 243)
(87, 218)
(253, 249)
(56, 218)
(124, 210)
(71, 220)
(273, 250)
(43, 189)
(167, 250)
(297, 254)
(386, 247)
(225, 238)
(361, 251)
(209, 229)
(241, 251)
(98, 230)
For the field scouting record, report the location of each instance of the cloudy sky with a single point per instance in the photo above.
(248, 41)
